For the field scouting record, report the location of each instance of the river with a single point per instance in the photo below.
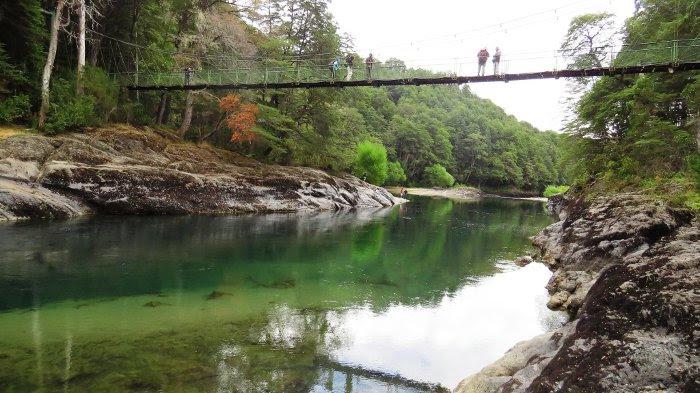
(404, 299)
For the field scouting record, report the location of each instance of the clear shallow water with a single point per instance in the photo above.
(398, 299)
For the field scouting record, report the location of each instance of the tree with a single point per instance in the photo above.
(23, 36)
(395, 174)
(240, 118)
(215, 31)
(50, 58)
(81, 45)
(641, 131)
(371, 162)
(437, 176)
(268, 14)
(588, 40)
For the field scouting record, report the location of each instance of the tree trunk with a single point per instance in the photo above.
(166, 111)
(187, 118)
(160, 113)
(81, 46)
(697, 131)
(50, 58)
(95, 50)
(215, 130)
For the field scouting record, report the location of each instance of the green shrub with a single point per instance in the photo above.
(371, 163)
(694, 166)
(11, 77)
(69, 111)
(551, 190)
(15, 108)
(437, 176)
(395, 174)
(105, 92)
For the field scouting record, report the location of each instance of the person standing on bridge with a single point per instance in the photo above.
(497, 61)
(349, 60)
(369, 62)
(483, 56)
(334, 66)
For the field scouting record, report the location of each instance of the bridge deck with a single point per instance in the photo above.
(417, 81)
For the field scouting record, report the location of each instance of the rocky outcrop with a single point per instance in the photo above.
(22, 200)
(123, 170)
(611, 231)
(627, 270)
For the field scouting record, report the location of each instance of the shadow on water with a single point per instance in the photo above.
(252, 303)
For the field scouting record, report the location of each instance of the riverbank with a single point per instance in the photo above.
(459, 193)
(120, 169)
(626, 270)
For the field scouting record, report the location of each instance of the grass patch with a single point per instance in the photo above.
(681, 189)
(552, 190)
(8, 131)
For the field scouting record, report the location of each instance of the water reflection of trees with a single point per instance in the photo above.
(283, 351)
(415, 253)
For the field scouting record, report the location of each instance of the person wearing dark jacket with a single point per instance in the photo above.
(369, 63)
(483, 56)
(349, 60)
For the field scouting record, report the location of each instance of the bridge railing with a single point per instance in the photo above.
(247, 72)
(679, 51)
(270, 75)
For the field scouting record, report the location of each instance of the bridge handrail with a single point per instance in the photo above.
(244, 71)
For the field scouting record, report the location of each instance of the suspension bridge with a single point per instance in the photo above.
(656, 57)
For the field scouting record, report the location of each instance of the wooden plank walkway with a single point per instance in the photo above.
(447, 80)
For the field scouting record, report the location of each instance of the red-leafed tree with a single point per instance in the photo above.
(240, 117)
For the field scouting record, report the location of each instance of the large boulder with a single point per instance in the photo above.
(123, 170)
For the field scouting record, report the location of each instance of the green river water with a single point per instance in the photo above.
(405, 299)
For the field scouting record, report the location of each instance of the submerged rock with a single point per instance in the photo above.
(285, 283)
(627, 270)
(523, 260)
(154, 304)
(216, 295)
(123, 170)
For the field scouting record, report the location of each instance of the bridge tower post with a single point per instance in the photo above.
(675, 52)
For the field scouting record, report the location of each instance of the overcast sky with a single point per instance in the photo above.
(445, 35)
